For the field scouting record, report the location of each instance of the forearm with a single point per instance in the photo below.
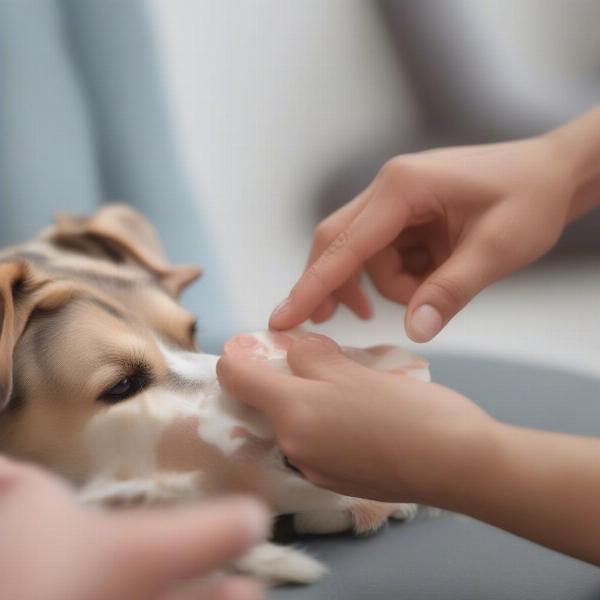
(578, 145)
(539, 485)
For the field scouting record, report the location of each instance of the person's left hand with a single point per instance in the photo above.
(361, 432)
(55, 549)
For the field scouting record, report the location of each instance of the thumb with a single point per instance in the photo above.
(318, 357)
(447, 290)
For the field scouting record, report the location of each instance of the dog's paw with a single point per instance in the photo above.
(404, 512)
(281, 564)
(370, 515)
(362, 516)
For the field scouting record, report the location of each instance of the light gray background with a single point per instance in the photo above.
(280, 106)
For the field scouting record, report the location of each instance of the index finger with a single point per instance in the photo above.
(376, 226)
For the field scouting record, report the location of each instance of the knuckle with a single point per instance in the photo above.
(340, 241)
(396, 168)
(324, 233)
(313, 273)
(448, 292)
(343, 242)
(390, 167)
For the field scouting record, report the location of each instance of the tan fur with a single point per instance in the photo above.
(116, 293)
(63, 361)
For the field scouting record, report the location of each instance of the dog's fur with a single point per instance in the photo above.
(93, 301)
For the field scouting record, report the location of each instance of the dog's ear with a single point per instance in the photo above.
(20, 293)
(10, 275)
(124, 231)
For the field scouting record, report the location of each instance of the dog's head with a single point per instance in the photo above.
(100, 375)
(101, 378)
(83, 310)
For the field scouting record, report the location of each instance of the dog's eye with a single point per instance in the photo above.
(125, 388)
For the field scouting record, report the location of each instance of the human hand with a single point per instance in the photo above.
(387, 437)
(54, 549)
(435, 228)
(361, 432)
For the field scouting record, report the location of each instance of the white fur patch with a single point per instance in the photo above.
(281, 564)
(219, 413)
(192, 366)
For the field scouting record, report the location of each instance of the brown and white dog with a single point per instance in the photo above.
(101, 380)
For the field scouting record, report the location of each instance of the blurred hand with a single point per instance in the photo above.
(53, 549)
(357, 431)
(433, 229)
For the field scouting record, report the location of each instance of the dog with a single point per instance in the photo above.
(102, 381)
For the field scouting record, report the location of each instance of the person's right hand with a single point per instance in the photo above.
(361, 432)
(435, 228)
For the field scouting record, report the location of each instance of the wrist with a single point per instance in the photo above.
(466, 459)
(577, 145)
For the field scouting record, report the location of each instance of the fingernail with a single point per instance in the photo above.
(280, 308)
(425, 322)
(258, 520)
(314, 338)
(320, 340)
